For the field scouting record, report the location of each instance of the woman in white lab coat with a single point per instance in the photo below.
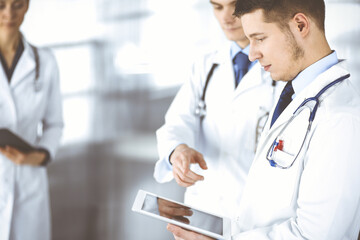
(30, 106)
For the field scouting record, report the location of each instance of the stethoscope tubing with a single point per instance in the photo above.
(317, 96)
(201, 107)
(37, 86)
(311, 119)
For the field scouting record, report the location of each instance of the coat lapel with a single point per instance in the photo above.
(25, 66)
(251, 79)
(226, 72)
(7, 105)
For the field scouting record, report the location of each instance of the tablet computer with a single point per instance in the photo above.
(182, 215)
(11, 139)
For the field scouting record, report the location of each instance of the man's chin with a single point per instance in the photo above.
(275, 77)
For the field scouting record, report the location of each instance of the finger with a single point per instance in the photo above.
(177, 238)
(177, 218)
(181, 182)
(178, 211)
(181, 166)
(12, 158)
(189, 176)
(15, 155)
(194, 177)
(201, 161)
(171, 204)
(177, 231)
(180, 232)
(173, 209)
(182, 219)
(13, 150)
(184, 163)
(181, 178)
(6, 153)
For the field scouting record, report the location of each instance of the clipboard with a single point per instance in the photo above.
(9, 138)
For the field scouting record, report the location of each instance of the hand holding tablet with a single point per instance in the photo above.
(19, 151)
(182, 215)
(8, 138)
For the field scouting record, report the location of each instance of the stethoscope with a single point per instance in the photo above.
(200, 109)
(278, 143)
(37, 84)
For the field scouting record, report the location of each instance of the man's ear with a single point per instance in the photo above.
(302, 24)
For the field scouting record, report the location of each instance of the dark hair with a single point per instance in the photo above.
(281, 11)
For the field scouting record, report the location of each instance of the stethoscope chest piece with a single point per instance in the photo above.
(200, 110)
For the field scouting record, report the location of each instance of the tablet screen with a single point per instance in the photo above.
(177, 212)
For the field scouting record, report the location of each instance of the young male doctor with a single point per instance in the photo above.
(238, 97)
(304, 182)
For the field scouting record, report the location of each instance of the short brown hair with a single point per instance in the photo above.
(281, 11)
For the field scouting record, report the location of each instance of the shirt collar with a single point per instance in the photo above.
(235, 49)
(305, 77)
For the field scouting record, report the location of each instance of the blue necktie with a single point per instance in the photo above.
(241, 65)
(284, 100)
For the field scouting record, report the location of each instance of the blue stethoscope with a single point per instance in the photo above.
(277, 143)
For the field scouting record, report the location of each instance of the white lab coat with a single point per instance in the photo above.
(24, 200)
(319, 196)
(226, 137)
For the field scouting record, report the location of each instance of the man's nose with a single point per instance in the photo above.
(254, 53)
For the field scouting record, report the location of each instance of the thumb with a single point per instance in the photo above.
(200, 160)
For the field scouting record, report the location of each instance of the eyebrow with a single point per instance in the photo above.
(212, 2)
(215, 3)
(255, 34)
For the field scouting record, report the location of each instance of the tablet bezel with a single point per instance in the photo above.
(139, 201)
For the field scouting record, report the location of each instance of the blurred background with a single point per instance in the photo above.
(121, 63)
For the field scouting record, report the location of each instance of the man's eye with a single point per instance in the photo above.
(217, 7)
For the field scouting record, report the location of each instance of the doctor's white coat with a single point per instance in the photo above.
(24, 201)
(226, 137)
(319, 196)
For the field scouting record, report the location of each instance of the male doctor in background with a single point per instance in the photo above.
(238, 98)
(300, 186)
